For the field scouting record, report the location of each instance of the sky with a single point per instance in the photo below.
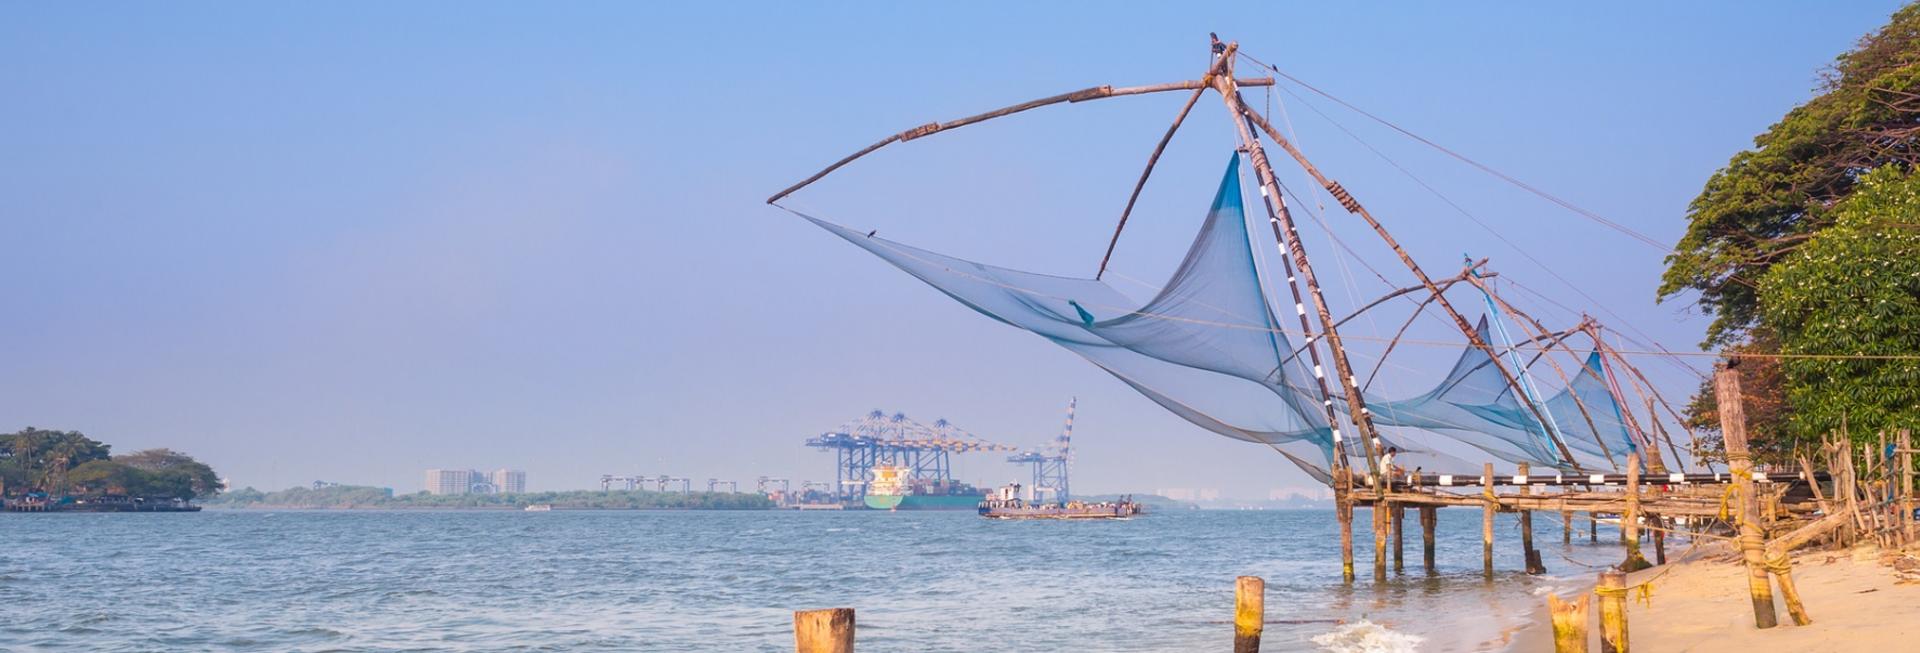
(353, 241)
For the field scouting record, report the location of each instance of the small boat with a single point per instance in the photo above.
(539, 507)
(1007, 504)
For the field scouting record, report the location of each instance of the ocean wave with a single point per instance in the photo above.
(1367, 637)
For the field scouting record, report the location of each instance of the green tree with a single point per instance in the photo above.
(1849, 294)
(172, 474)
(98, 477)
(1768, 202)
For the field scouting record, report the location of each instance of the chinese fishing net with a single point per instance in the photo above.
(1209, 348)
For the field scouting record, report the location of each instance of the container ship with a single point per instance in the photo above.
(892, 489)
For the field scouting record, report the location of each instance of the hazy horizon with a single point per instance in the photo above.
(353, 242)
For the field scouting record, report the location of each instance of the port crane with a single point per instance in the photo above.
(894, 440)
(1050, 463)
(713, 485)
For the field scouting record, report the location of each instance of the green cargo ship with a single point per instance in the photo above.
(891, 490)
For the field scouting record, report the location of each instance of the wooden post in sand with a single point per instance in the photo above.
(1569, 624)
(1429, 520)
(823, 631)
(1528, 553)
(1399, 537)
(1486, 519)
(1566, 519)
(1249, 613)
(1733, 427)
(1630, 518)
(1613, 611)
(1906, 484)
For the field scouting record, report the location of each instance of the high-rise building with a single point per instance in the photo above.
(449, 481)
(509, 481)
(467, 481)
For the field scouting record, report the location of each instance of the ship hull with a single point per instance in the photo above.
(924, 501)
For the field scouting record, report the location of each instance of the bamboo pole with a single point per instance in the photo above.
(1353, 206)
(1429, 520)
(1486, 520)
(1733, 428)
(1399, 538)
(1249, 613)
(1569, 624)
(1287, 236)
(1906, 485)
(1565, 381)
(1153, 159)
(1613, 611)
(823, 631)
(1630, 518)
(1527, 552)
(1082, 95)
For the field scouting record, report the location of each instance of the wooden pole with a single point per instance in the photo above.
(1249, 613)
(1906, 484)
(1082, 95)
(1566, 520)
(823, 631)
(1382, 522)
(1486, 519)
(1528, 553)
(1569, 624)
(1429, 520)
(1399, 538)
(1613, 611)
(1630, 518)
(1733, 428)
(1287, 237)
(1353, 206)
(1343, 511)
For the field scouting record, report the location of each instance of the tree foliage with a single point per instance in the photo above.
(69, 462)
(1849, 294)
(1768, 201)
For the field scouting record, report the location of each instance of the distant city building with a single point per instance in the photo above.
(467, 481)
(509, 481)
(1189, 494)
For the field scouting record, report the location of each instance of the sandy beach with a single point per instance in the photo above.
(1699, 604)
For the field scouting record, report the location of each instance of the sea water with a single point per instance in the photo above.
(258, 580)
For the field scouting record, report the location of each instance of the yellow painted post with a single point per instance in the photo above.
(1733, 429)
(1569, 624)
(1249, 613)
(1613, 611)
(823, 631)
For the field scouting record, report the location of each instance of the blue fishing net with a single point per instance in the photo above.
(1209, 348)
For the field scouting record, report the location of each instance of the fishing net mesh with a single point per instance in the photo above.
(1209, 348)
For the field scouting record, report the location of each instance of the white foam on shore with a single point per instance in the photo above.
(1367, 637)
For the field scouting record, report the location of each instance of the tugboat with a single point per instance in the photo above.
(1007, 504)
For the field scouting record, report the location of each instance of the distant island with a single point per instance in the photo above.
(348, 497)
(66, 471)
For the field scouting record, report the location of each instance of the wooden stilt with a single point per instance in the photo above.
(1527, 552)
(1630, 519)
(1382, 508)
(1399, 538)
(1659, 538)
(1566, 523)
(1569, 624)
(1249, 613)
(1486, 520)
(823, 631)
(1429, 520)
(1593, 528)
(1613, 611)
(1733, 427)
(1343, 511)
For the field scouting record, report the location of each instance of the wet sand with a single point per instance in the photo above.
(1856, 599)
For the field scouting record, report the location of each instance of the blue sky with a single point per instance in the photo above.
(353, 241)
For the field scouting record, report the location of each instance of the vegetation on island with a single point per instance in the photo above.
(1806, 250)
(352, 496)
(70, 464)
